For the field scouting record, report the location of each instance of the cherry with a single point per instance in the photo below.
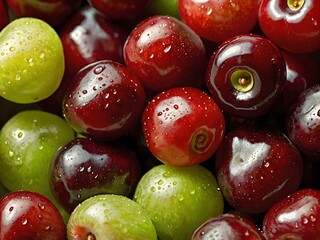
(29, 215)
(53, 12)
(164, 53)
(120, 10)
(183, 126)
(256, 168)
(294, 217)
(218, 20)
(245, 75)
(228, 226)
(293, 24)
(4, 17)
(83, 168)
(104, 100)
(302, 73)
(303, 123)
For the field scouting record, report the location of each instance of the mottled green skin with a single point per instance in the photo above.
(112, 217)
(179, 199)
(28, 142)
(31, 60)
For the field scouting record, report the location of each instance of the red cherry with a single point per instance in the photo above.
(104, 101)
(4, 17)
(292, 24)
(303, 123)
(245, 75)
(183, 126)
(164, 53)
(120, 10)
(218, 20)
(294, 217)
(29, 215)
(228, 226)
(54, 12)
(255, 168)
(83, 168)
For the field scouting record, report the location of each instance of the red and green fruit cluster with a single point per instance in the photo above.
(159, 119)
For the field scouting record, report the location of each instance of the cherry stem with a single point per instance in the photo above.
(242, 80)
(91, 236)
(295, 4)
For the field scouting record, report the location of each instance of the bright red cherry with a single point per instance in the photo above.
(29, 215)
(218, 20)
(54, 12)
(291, 24)
(294, 217)
(245, 75)
(256, 168)
(104, 100)
(164, 53)
(183, 126)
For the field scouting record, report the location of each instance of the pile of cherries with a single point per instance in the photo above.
(229, 90)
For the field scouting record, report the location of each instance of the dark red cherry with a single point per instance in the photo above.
(256, 168)
(104, 101)
(245, 75)
(4, 16)
(218, 20)
(83, 168)
(54, 12)
(164, 53)
(291, 24)
(120, 10)
(303, 123)
(228, 226)
(295, 217)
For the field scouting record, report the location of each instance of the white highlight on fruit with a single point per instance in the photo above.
(276, 13)
(246, 155)
(303, 207)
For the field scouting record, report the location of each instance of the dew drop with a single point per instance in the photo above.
(99, 69)
(25, 221)
(11, 49)
(20, 135)
(11, 209)
(41, 206)
(160, 182)
(167, 49)
(152, 189)
(84, 91)
(41, 55)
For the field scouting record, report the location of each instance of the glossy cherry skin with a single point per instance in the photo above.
(29, 215)
(256, 168)
(86, 37)
(302, 73)
(4, 17)
(294, 217)
(292, 25)
(120, 10)
(54, 12)
(218, 20)
(303, 123)
(228, 226)
(164, 53)
(245, 75)
(182, 126)
(84, 168)
(104, 101)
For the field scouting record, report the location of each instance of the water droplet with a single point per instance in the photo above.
(166, 174)
(160, 182)
(99, 69)
(41, 206)
(11, 209)
(41, 55)
(29, 37)
(174, 183)
(25, 221)
(152, 189)
(84, 91)
(20, 135)
(17, 77)
(176, 106)
(159, 114)
(167, 49)
(11, 49)
(192, 192)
